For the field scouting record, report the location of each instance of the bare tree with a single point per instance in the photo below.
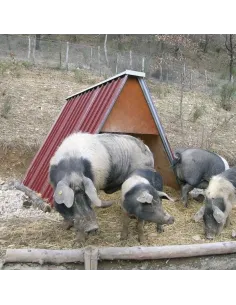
(105, 49)
(38, 37)
(230, 48)
(183, 80)
(8, 42)
(206, 43)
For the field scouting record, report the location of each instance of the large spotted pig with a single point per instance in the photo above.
(85, 163)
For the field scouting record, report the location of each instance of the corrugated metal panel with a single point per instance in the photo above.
(85, 112)
(126, 72)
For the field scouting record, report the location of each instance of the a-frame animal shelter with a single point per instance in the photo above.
(120, 104)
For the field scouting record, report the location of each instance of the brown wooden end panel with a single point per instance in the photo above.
(161, 160)
(131, 113)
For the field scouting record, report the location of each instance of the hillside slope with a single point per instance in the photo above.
(31, 99)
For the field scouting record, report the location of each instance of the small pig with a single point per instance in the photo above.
(194, 167)
(220, 198)
(141, 196)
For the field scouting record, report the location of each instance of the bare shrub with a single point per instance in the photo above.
(198, 112)
(227, 95)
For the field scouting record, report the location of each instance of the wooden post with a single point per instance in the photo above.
(60, 57)
(99, 64)
(191, 80)
(33, 53)
(161, 74)
(105, 49)
(130, 59)
(67, 56)
(8, 42)
(184, 69)
(116, 63)
(91, 58)
(29, 48)
(37, 44)
(143, 64)
(91, 258)
(206, 76)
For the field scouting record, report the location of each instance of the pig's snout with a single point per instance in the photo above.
(91, 229)
(171, 220)
(209, 236)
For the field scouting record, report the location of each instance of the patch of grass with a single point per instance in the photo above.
(13, 67)
(3, 67)
(80, 76)
(6, 108)
(212, 84)
(160, 90)
(198, 112)
(84, 77)
(26, 64)
(227, 96)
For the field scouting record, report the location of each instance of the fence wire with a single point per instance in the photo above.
(71, 56)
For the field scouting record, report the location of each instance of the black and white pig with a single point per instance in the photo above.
(220, 198)
(194, 167)
(85, 163)
(141, 196)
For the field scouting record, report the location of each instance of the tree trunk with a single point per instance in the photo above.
(37, 46)
(206, 43)
(230, 48)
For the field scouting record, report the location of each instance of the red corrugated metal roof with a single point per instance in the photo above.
(86, 112)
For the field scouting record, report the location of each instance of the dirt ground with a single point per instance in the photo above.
(44, 230)
(36, 97)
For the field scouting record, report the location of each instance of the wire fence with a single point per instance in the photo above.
(104, 62)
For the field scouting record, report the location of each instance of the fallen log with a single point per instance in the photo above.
(117, 253)
(42, 256)
(37, 202)
(165, 252)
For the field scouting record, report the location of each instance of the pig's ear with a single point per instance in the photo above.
(145, 197)
(218, 214)
(163, 195)
(91, 191)
(199, 214)
(64, 194)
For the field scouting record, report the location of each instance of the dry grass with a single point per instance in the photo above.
(212, 129)
(36, 98)
(48, 234)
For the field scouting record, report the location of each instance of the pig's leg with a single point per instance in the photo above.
(68, 223)
(81, 236)
(160, 229)
(228, 222)
(140, 231)
(185, 189)
(125, 226)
